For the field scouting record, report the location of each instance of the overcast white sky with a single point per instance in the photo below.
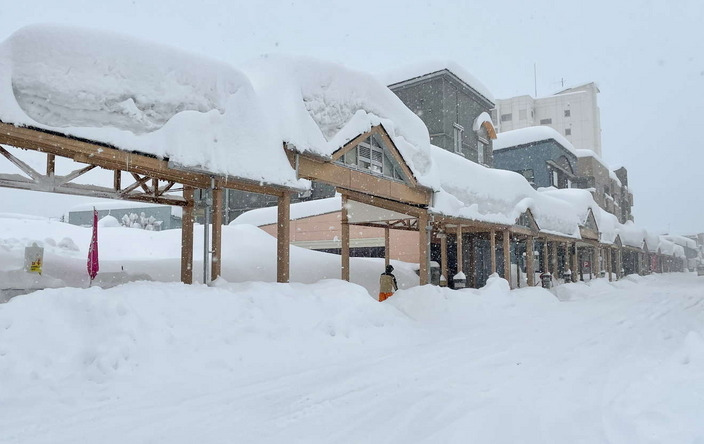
(646, 57)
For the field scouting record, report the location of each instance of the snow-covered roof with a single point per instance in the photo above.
(528, 135)
(632, 235)
(317, 107)
(432, 66)
(615, 178)
(681, 240)
(269, 215)
(474, 192)
(581, 201)
(140, 96)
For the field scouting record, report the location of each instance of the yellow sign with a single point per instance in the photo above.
(36, 266)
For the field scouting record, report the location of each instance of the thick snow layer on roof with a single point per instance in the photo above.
(615, 178)
(432, 66)
(530, 134)
(481, 119)
(474, 192)
(141, 97)
(681, 240)
(632, 235)
(300, 210)
(319, 106)
(580, 200)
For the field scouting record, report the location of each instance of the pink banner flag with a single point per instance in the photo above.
(93, 265)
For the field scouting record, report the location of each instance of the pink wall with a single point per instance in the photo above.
(404, 244)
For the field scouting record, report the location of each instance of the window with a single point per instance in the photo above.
(555, 178)
(567, 113)
(506, 117)
(529, 175)
(458, 134)
(522, 114)
(545, 121)
(568, 131)
(569, 183)
(370, 156)
(480, 152)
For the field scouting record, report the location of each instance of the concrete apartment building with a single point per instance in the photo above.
(572, 112)
(454, 106)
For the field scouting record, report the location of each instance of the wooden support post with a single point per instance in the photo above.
(216, 248)
(460, 258)
(345, 247)
(387, 246)
(575, 263)
(50, 165)
(187, 237)
(546, 268)
(443, 260)
(555, 272)
(609, 264)
(530, 266)
(472, 275)
(117, 180)
(423, 248)
(507, 255)
(283, 238)
(492, 248)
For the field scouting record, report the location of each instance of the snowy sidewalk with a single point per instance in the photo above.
(255, 362)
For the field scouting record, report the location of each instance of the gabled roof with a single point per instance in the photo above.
(319, 107)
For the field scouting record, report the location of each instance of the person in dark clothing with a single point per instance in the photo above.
(387, 284)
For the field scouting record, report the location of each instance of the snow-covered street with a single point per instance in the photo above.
(259, 362)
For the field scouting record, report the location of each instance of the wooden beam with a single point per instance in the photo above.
(575, 261)
(22, 183)
(492, 248)
(28, 170)
(423, 251)
(345, 247)
(507, 255)
(530, 267)
(74, 174)
(216, 259)
(283, 238)
(387, 246)
(112, 158)
(187, 237)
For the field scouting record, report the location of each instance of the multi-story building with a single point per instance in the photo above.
(540, 154)
(453, 105)
(572, 112)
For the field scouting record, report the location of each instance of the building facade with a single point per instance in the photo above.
(573, 113)
(456, 111)
(542, 160)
